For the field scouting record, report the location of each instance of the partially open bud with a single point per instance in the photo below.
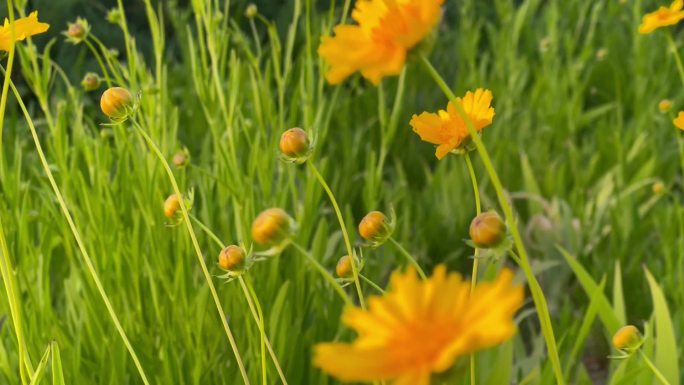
(251, 10)
(232, 258)
(375, 227)
(117, 103)
(181, 159)
(171, 205)
(295, 145)
(665, 105)
(344, 267)
(91, 81)
(78, 31)
(272, 227)
(627, 338)
(487, 230)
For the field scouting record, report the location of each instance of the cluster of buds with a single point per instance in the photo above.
(117, 103)
(375, 228)
(91, 82)
(78, 31)
(273, 228)
(295, 146)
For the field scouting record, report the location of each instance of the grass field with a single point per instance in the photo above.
(100, 287)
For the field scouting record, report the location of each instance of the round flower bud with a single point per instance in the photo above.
(171, 205)
(76, 31)
(665, 105)
(232, 258)
(627, 338)
(658, 187)
(294, 144)
(487, 230)
(116, 103)
(344, 267)
(271, 227)
(91, 81)
(375, 227)
(251, 10)
(180, 159)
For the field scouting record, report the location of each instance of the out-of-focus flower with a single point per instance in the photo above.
(665, 105)
(679, 120)
(77, 31)
(662, 17)
(91, 81)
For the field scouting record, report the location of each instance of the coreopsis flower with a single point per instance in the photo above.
(23, 28)
(422, 327)
(378, 45)
(662, 17)
(447, 129)
(679, 120)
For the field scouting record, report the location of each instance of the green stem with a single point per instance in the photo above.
(372, 284)
(99, 62)
(535, 289)
(249, 296)
(198, 250)
(81, 245)
(8, 73)
(476, 260)
(654, 369)
(345, 234)
(326, 275)
(675, 53)
(258, 317)
(408, 257)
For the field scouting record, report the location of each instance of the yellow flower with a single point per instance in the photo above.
(23, 28)
(663, 17)
(679, 120)
(447, 129)
(378, 44)
(421, 327)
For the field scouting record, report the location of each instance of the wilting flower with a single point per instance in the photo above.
(447, 129)
(421, 327)
(23, 28)
(679, 120)
(378, 45)
(663, 17)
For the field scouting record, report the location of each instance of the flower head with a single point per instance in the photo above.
(117, 103)
(23, 28)
(662, 17)
(421, 327)
(232, 258)
(272, 227)
(679, 120)
(447, 129)
(378, 45)
(376, 228)
(77, 31)
(487, 230)
(295, 145)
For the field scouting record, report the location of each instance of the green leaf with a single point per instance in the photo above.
(665, 342)
(57, 373)
(618, 296)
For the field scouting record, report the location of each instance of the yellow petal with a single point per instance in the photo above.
(23, 28)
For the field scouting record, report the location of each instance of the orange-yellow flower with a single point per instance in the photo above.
(23, 28)
(447, 129)
(377, 46)
(421, 327)
(663, 17)
(679, 120)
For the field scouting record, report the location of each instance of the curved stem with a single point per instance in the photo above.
(326, 275)
(77, 235)
(408, 257)
(535, 289)
(654, 369)
(256, 315)
(343, 227)
(198, 251)
(476, 260)
(675, 53)
(372, 284)
(99, 62)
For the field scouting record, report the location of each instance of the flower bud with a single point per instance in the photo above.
(272, 227)
(251, 10)
(91, 81)
(117, 103)
(658, 187)
(181, 159)
(665, 105)
(344, 267)
(232, 258)
(78, 31)
(627, 338)
(171, 205)
(295, 145)
(487, 230)
(375, 227)
(114, 16)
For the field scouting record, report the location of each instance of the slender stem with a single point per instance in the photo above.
(535, 289)
(476, 260)
(77, 235)
(675, 53)
(8, 76)
(343, 227)
(249, 295)
(655, 370)
(198, 250)
(99, 62)
(408, 257)
(326, 275)
(256, 315)
(372, 284)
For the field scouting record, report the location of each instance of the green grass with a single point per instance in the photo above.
(577, 141)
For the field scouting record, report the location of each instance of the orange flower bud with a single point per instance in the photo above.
(232, 258)
(294, 144)
(344, 267)
(76, 31)
(627, 338)
(91, 81)
(116, 103)
(271, 227)
(375, 227)
(665, 105)
(487, 230)
(180, 159)
(171, 205)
